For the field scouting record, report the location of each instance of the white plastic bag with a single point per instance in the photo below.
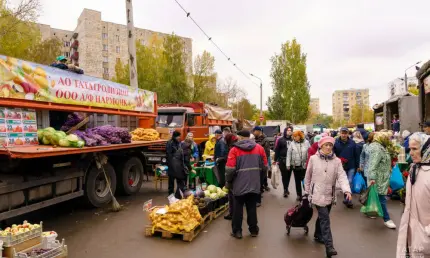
(276, 176)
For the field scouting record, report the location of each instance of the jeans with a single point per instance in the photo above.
(250, 202)
(322, 226)
(350, 174)
(383, 201)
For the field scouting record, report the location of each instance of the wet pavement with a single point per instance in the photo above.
(104, 234)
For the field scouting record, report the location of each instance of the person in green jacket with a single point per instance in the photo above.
(379, 171)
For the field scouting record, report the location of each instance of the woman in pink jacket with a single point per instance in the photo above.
(414, 230)
(324, 169)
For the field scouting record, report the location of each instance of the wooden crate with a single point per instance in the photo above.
(220, 211)
(184, 236)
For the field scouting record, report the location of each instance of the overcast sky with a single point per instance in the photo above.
(349, 44)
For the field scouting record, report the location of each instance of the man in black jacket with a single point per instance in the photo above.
(281, 157)
(261, 139)
(220, 156)
(171, 148)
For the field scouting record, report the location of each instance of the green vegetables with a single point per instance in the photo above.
(49, 136)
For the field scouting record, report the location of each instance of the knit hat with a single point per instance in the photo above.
(324, 140)
(218, 131)
(176, 134)
(258, 128)
(244, 133)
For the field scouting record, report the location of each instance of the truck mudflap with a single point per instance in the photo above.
(155, 158)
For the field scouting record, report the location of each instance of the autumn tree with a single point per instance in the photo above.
(45, 52)
(204, 77)
(256, 117)
(244, 109)
(291, 98)
(361, 114)
(122, 74)
(413, 89)
(322, 118)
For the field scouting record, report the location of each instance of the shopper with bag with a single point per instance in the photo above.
(281, 150)
(414, 230)
(296, 160)
(364, 157)
(230, 140)
(323, 171)
(380, 171)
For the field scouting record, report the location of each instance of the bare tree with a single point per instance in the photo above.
(27, 11)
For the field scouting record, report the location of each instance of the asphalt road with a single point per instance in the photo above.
(91, 233)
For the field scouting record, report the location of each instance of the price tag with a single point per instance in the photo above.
(147, 205)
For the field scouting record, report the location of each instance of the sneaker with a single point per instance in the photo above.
(228, 217)
(318, 240)
(390, 224)
(258, 204)
(331, 252)
(237, 235)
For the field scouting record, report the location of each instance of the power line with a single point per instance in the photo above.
(188, 14)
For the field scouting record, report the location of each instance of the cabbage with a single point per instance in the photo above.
(61, 133)
(56, 137)
(40, 134)
(212, 188)
(72, 138)
(47, 134)
(63, 143)
(45, 141)
(50, 129)
(213, 196)
(207, 193)
(225, 189)
(218, 189)
(78, 144)
(222, 194)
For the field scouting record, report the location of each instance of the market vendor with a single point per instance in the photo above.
(209, 148)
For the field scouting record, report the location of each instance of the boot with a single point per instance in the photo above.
(228, 217)
(237, 235)
(330, 251)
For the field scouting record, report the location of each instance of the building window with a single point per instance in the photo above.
(105, 59)
(106, 70)
(67, 43)
(117, 38)
(104, 35)
(118, 49)
(105, 47)
(67, 54)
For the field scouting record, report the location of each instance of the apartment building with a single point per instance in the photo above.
(315, 106)
(397, 86)
(344, 100)
(97, 45)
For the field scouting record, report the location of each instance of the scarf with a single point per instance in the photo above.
(326, 156)
(383, 138)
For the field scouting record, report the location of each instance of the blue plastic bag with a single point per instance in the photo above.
(358, 183)
(396, 180)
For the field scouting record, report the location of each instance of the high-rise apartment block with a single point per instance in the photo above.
(344, 100)
(97, 45)
(315, 106)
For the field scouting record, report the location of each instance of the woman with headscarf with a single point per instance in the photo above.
(364, 157)
(209, 147)
(194, 148)
(297, 155)
(230, 140)
(414, 231)
(323, 171)
(379, 171)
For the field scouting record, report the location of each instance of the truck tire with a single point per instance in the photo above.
(130, 175)
(96, 188)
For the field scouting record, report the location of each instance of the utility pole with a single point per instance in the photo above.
(131, 44)
(261, 96)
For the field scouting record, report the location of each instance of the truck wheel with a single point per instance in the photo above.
(96, 188)
(130, 175)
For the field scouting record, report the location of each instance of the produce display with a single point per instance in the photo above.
(16, 230)
(141, 134)
(178, 217)
(49, 136)
(72, 120)
(215, 193)
(104, 135)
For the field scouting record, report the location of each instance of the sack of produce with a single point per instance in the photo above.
(141, 134)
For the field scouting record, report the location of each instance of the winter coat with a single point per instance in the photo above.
(194, 150)
(320, 181)
(364, 160)
(282, 146)
(172, 147)
(379, 167)
(221, 150)
(298, 154)
(264, 142)
(348, 151)
(414, 229)
(246, 165)
(181, 162)
(312, 151)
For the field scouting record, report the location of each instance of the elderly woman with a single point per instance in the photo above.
(297, 155)
(414, 230)
(379, 171)
(364, 157)
(359, 142)
(323, 171)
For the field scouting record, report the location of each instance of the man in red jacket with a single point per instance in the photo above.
(245, 170)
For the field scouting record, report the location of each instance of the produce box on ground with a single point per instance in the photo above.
(17, 234)
(9, 252)
(57, 250)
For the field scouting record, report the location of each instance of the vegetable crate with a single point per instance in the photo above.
(185, 236)
(10, 240)
(220, 211)
(59, 251)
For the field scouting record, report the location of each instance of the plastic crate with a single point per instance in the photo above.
(58, 250)
(11, 240)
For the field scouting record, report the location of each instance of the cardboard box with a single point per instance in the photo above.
(164, 136)
(163, 130)
(9, 251)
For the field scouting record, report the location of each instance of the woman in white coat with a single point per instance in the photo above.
(324, 169)
(414, 230)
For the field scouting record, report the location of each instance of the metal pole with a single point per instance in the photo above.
(131, 44)
(406, 83)
(261, 98)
